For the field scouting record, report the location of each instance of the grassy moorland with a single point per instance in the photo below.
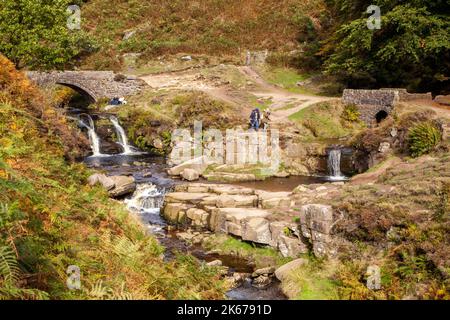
(200, 27)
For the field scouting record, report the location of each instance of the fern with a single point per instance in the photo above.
(9, 291)
(98, 291)
(423, 138)
(9, 278)
(122, 246)
(9, 268)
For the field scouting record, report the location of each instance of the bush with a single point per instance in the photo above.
(350, 113)
(423, 138)
(34, 34)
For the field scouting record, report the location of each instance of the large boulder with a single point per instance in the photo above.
(231, 220)
(316, 221)
(190, 174)
(175, 212)
(290, 246)
(257, 230)
(198, 164)
(198, 217)
(283, 272)
(105, 181)
(123, 185)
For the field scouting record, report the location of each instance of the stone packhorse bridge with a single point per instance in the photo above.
(376, 105)
(94, 85)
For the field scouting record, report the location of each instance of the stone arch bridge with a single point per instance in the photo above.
(94, 85)
(375, 105)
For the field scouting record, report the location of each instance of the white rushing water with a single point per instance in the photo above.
(147, 201)
(93, 137)
(334, 165)
(122, 136)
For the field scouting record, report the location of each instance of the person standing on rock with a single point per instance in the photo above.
(255, 119)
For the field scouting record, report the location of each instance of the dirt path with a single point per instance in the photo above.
(283, 103)
(440, 109)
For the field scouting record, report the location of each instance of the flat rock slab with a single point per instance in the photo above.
(230, 189)
(264, 195)
(242, 213)
(199, 164)
(186, 197)
(236, 201)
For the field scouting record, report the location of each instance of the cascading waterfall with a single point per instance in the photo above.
(334, 165)
(93, 137)
(147, 201)
(122, 136)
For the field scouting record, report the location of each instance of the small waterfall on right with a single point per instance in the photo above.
(93, 137)
(334, 165)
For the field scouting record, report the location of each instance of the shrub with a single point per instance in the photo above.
(423, 138)
(350, 113)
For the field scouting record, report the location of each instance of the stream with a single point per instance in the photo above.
(153, 182)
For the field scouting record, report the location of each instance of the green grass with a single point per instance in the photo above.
(323, 120)
(260, 255)
(285, 78)
(312, 281)
(256, 103)
(291, 105)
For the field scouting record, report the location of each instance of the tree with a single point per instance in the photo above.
(34, 33)
(411, 49)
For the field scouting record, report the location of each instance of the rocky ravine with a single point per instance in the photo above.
(281, 220)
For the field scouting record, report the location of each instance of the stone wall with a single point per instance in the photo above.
(256, 57)
(384, 98)
(405, 96)
(95, 84)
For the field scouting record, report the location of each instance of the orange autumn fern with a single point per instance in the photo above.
(19, 92)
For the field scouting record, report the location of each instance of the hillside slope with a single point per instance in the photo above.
(51, 219)
(200, 27)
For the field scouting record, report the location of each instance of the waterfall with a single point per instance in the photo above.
(93, 137)
(122, 136)
(334, 165)
(147, 201)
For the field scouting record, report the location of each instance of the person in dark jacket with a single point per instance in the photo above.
(255, 119)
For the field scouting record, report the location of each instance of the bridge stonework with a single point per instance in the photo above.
(95, 84)
(371, 102)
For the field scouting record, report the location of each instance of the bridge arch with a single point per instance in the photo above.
(79, 89)
(381, 115)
